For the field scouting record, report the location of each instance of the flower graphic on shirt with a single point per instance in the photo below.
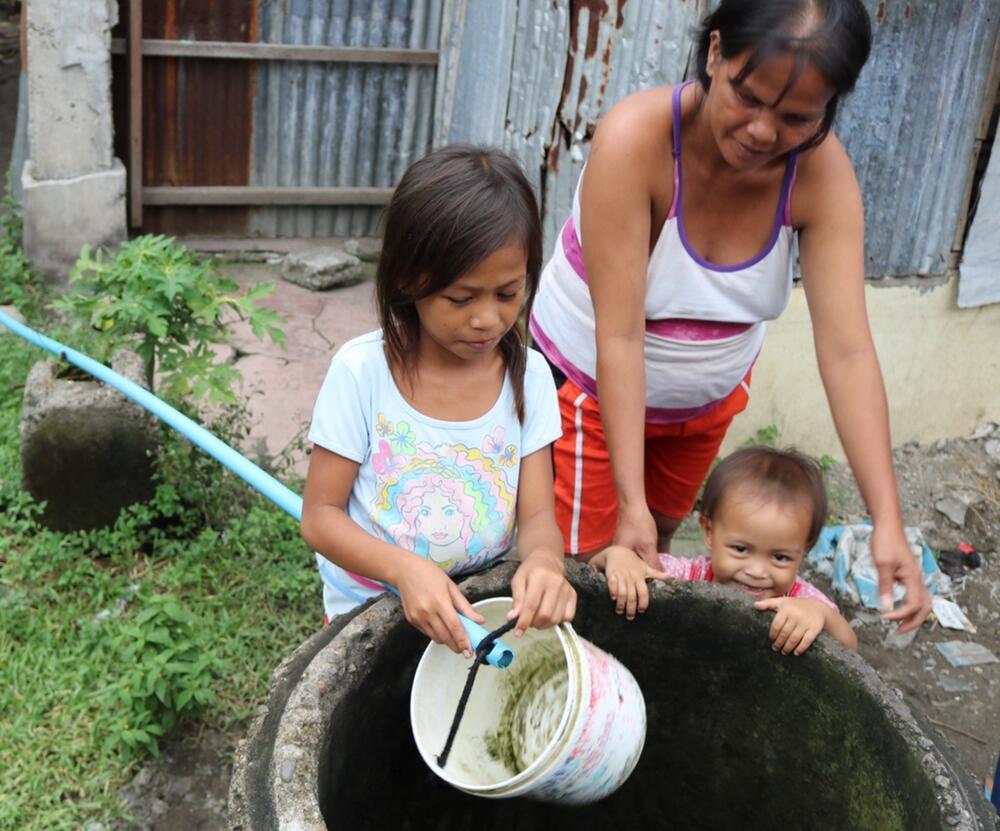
(383, 427)
(509, 456)
(493, 442)
(385, 461)
(404, 439)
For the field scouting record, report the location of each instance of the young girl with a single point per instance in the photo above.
(432, 435)
(761, 511)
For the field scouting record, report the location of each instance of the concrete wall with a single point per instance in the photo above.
(941, 366)
(73, 187)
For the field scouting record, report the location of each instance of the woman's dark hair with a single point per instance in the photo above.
(835, 35)
(450, 211)
(783, 476)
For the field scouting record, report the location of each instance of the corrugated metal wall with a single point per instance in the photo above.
(357, 125)
(532, 76)
(909, 126)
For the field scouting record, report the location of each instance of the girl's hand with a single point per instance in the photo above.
(895, 561)
(797, 622)
(627, 574)
(543, 596)
(430, 600)
(637, 530)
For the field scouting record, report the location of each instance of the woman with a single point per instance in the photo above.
(653, 305)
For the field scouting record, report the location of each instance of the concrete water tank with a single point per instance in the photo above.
(738, 736)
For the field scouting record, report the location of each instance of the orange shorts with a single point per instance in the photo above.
(677, 460)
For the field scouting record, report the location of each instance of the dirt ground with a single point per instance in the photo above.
(187, 790)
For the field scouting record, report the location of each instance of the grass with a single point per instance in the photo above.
(111, 638)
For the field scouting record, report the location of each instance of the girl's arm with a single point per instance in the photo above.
(429, 596)
(832, 259)
(542, 595)
(615, 203)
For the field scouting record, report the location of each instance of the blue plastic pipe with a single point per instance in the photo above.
(500, 656)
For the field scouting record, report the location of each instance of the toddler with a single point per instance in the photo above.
(761, 511)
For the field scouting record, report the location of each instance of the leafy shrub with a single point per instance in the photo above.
(169, 670)
(171, 306)
(19, 286)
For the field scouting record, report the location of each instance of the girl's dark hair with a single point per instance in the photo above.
(449, 212)
(784, 476)
(835, 35)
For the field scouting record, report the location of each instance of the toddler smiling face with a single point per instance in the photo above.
(757, 544)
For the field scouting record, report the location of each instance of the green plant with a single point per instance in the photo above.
(169, 675)
(172, 307)
(765, 436)
(19, 286)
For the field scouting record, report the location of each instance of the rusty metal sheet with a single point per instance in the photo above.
(572, 62)
(197, 113)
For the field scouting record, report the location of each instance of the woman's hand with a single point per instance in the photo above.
(637, 530)
(627, 574)
(797, 622)
(543, 596)
(430, 600)
(895, 561)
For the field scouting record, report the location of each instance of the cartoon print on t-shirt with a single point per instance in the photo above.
(450, 504)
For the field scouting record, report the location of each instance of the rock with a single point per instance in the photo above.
(367, 249)
(899, 641)
(953, 508)
(992, 448)
(982, 431)
(322, 269)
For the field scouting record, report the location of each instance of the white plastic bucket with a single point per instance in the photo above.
(564, 723)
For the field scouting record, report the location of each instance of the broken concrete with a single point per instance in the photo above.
(738, 735)
(86, 450)
(323, 269)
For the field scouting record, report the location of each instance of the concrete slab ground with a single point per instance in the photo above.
(282, 383)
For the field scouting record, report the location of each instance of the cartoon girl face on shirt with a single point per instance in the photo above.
(440, 522)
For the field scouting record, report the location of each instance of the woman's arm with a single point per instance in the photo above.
(616, 207)
(542, 595)
(831, 249)
(429, 596)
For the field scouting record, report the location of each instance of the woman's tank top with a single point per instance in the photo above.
(704, 322)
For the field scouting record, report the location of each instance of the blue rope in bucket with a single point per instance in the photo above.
(499, 656)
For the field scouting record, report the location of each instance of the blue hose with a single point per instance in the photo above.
(500, 656)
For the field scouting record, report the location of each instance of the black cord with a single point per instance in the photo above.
(484, 649)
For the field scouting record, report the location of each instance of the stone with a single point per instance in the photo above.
(367, 249)
(953, 508)
(992, 448)
(322, 269)
(87, 451)
(894, 639)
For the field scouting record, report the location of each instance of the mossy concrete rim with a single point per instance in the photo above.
(281, 768)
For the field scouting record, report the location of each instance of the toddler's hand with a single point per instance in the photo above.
(627, 574)
(542, 595)
(797, 622)
(430, 600)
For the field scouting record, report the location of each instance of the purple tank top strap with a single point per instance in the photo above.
(676, 99)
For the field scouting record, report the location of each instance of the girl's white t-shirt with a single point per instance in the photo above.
(446, 490)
